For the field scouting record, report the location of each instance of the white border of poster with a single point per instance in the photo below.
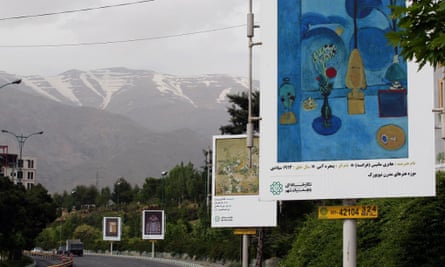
(400, 177)
(156, 229)
(232, 209)
(114, 235)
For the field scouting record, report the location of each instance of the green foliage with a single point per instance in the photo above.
(151, 191)
(318, 243)
(238, 112)
(183, 182)
(421, 31)
(408, 232)
(88, 234)
(122, 192)
(24, 213)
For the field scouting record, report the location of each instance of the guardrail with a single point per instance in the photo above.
(65, 261)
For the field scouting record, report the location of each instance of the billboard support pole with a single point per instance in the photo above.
(250, 119)
(152, 248)
(349, 239)
(111, 248)
(245, 250)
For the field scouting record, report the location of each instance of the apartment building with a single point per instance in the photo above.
(10, 167)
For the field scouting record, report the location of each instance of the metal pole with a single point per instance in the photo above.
(245, 250)
(163, 174)
(152, 248)
(21, 142)
(249, 127)
(111, 248)
(349, 239)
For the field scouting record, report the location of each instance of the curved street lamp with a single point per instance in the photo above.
(21, 141)
(18, 81)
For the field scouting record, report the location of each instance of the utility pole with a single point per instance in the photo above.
(250, 119)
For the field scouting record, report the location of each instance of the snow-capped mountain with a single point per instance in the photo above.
(156, 101)
(103, 124)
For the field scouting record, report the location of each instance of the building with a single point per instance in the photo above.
(9, 164)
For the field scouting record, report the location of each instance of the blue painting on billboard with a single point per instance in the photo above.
(342, 88)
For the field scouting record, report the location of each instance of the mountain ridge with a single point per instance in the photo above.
(115, 123)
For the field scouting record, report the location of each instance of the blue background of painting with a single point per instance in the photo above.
(303, 27)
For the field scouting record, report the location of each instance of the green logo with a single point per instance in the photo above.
(276, 188)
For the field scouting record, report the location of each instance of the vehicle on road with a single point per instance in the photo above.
(37, 249)
(74, 246)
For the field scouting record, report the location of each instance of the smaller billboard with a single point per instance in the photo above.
(112, 228)
(153, 222)
(235, 190)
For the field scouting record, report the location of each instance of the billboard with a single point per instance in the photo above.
(235, 190)
(343, 114)
(153, 224)
(112, 228)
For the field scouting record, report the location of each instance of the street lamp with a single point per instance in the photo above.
(117, 191)
(18, 81)
(163, 173)
(21, 141)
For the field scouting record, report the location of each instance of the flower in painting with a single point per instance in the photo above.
(321, 58)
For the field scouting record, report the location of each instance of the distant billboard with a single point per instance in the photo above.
(153, 224)
(112, 228)
(343, 114)
(235, 201)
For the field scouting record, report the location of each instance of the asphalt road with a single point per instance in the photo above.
(44, 262)
(116, 261)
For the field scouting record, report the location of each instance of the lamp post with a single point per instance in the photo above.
(163, 173)
(18, 81)
(21, 141)
(117, 191)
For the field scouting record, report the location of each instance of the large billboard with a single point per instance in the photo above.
(235, 190)
(343, 114)
(112, 228)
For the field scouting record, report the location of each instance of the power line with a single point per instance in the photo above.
(124, 41)
(75, 10)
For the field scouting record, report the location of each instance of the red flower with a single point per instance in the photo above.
(331, 72)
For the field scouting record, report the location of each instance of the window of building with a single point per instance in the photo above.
(30, 163)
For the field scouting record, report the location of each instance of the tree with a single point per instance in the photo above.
(103, 197)
(24, 214)
(182, 183)
(84, 195)
(151, 190)
(421, 31)
(239, 113)
(122, 192)
(87, 234)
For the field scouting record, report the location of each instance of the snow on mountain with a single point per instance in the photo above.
(97, 88)
(155, 100)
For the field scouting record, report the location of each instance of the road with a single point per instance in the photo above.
(120, 261)
(40, 262)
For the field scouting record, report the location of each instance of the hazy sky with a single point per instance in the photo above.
(33, 45)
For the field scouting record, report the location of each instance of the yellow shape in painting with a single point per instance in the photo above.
(309, 104)
(356, 80)
(339, 30)
(391, 137)
(288, 118)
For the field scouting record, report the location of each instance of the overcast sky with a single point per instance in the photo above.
(33, 45)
